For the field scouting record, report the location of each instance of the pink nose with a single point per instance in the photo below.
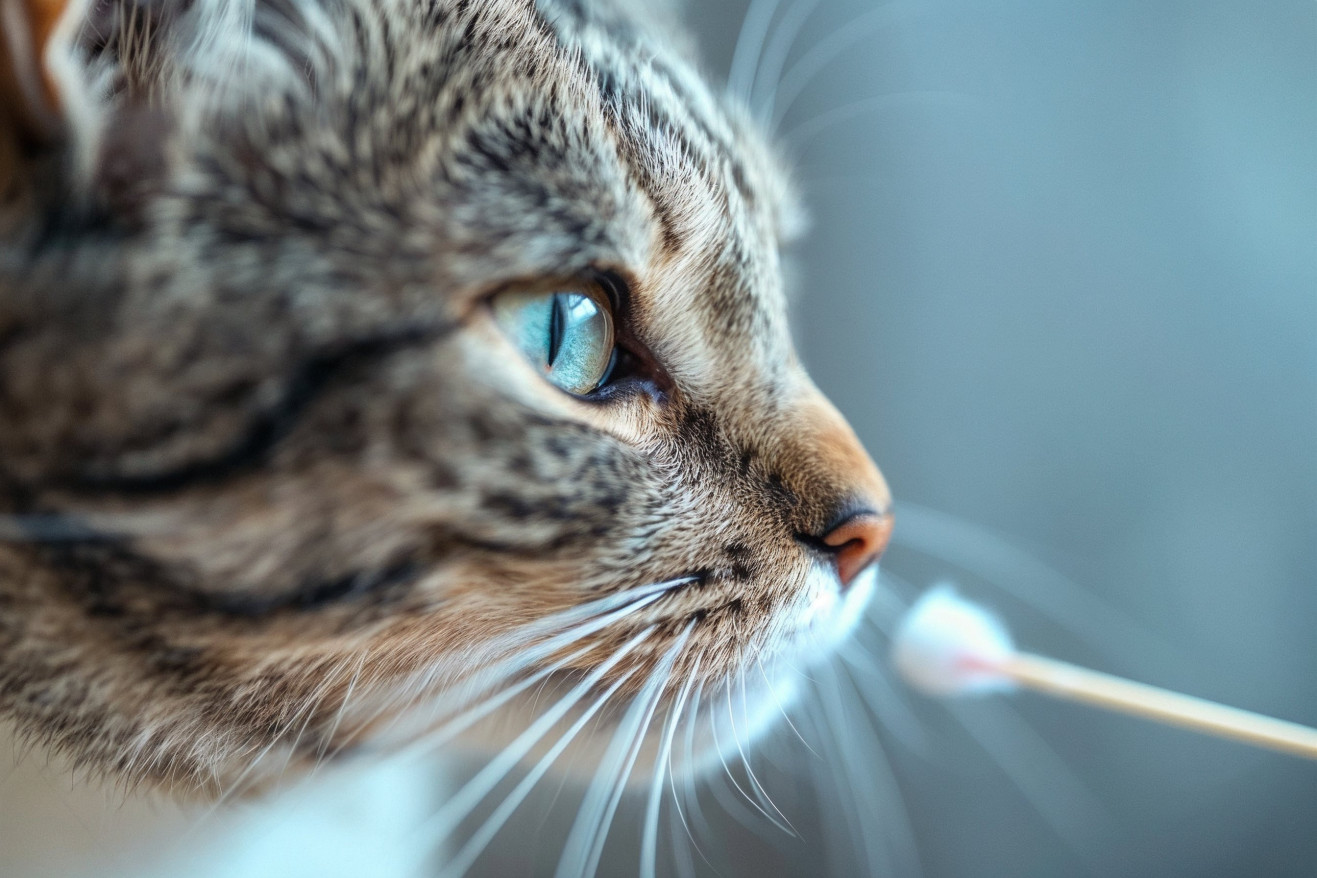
(858, 541)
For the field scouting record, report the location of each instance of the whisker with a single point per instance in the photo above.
(727, 770)
(238, 784)
(749, 48)
(760, 793)
(796, 138)
(885, 701)
(478, 841)
(619, 786)
(463, 721)
(786, 716)
(585, 840)
(649, 838)
(614, 607)
(797, 78)
(900, 857)
(1024, 578)
(478, 682)
(774, 57)
(725, 795)
(690, 792)
(830, 782)
(683, 862)
(342, 707)
(317, 698)
(447, 818)
(1041, 775)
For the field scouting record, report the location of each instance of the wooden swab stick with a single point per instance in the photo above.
(947, 646)
(1065, 680)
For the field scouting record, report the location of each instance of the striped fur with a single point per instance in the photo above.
(247, 367)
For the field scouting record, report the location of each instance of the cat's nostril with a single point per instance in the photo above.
(857, 542)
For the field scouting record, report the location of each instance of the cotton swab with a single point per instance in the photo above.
(947, 645)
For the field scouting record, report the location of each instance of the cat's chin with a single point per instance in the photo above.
(714, 726)
(834, 612)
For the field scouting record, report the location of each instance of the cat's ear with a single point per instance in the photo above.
(46, 105)
(35, 75)
(39, 106)
(74, 119)
(30, 98)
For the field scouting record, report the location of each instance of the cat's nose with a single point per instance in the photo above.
(857, 542)
(834, 470)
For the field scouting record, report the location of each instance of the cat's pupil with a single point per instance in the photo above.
(567, 334)
(556, 321)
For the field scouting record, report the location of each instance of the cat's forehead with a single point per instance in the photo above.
(713, 198)
(502, 140)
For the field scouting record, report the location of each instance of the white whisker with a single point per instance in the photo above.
(479, 681)
(690, 793)
(447, 818)
(725, 794)
(686, 865)
(313, 702)
(1040, 774)
(585, 841)
(688, 777)
(328, 738)
(649, 838)
(797, 78)
(475, 845)
(749, 47)
(1022, 577)
(774, 56)
(772, 690)
(236, 786)
(885, 701)
(795, 138)
(900, 855)
(463, 721)
(760, 793)
(727, 769)
(683, 862)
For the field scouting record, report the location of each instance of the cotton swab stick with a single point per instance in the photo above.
(946, 645)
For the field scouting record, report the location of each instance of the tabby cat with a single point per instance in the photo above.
(367, 366)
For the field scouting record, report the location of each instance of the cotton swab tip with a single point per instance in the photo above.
(947, 645)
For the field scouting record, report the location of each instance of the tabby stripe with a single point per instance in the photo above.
(267, 428)
(109, 574)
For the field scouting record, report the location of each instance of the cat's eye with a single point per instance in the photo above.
(567, 334)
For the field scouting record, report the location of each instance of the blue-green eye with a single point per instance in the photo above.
(568, 334)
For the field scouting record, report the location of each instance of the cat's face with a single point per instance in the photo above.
(288, 473)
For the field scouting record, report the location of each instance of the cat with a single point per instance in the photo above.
(369, 366)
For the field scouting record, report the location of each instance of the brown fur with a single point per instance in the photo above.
(245, 352)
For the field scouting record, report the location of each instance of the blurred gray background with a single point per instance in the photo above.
(1062, 278)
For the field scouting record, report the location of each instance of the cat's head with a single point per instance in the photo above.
(362, 358)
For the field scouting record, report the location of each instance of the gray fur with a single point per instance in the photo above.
(258, 316)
